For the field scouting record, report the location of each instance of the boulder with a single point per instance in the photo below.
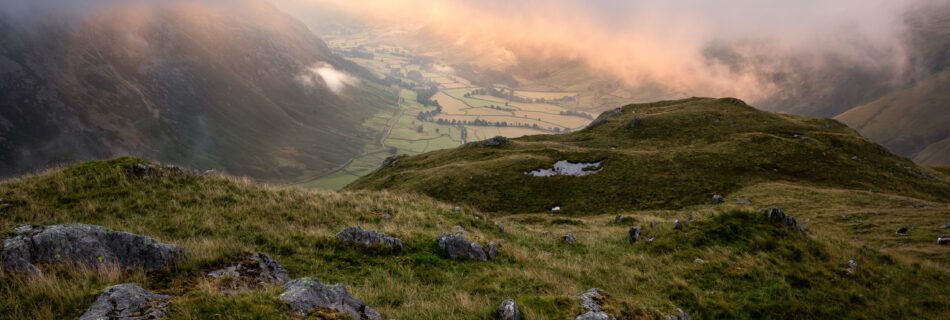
(304, 296)
(852, 267)
(569, 239)
(680, 224)
(368, 239)
(634, 234)
(776, 215)
(127, 301)
(717, 199)
(255, 270)
(902, 231)
(456, 247)
(943, 239)
(84, 244)
(140, 170)
(508, 310)
(591, 302)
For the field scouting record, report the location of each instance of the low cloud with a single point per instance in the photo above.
(325, 74)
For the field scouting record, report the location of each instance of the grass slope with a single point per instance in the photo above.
(750, 268)
(680, 154)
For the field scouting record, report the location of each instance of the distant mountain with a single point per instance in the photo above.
(661, 155)
(208, 85)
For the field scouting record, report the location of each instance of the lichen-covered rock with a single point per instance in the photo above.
(127, 301)
(592, 302)
(255, 270)
(306, 295)
(634, 234)
(508, 310)
(778, 216)
(456, 247)
(369, 239)
(84, 244)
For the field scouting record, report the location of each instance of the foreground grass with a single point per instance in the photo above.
(749, 269)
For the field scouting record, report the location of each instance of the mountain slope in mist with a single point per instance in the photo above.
(194, 83)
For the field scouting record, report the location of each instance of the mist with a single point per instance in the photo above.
(693, 47)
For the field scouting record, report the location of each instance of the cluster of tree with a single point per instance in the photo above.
(428, 115)
(502, 108)
(509, 94)
(486, 123)
(579, 114)
(424, 96)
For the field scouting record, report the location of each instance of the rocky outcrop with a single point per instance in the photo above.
(495, 142)
(456, 247)
(592, 302)
(304, 296)
(84, 244)
(127, 301)
(255, 270)
(508, 310)
(369, 239)
(778, 216)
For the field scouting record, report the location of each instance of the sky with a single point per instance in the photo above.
(665, 41)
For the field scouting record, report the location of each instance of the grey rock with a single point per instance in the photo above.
(777, 215)
(634, 234)
(718, 199)
(458, 229)
(508, 310)
(852, 267)
(943, 239)
(495, 142)
(945, 226)
(140, 170)
(456, 247)
(569, 239)
(369, 239)
(391, 161)
(306, 295)
(255, 270)
(681, 315)
(680, 224)
(127, 301)
(85, 244)
(619, 219)
(492, 251)
(902, 231)
(743, 201)
(591, 302)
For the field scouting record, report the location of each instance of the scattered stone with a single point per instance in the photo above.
(495, 142)
(779, 216)
(306, 295)
(84, 244)
(855, 158)
(369, 239)
(718, 199)
(508, 310)
(127, 301)
(743, 201)
(591, 302)
(492, 251)
(456, 247)
(569, 239)
(140, 170)
(255, 270)
(943, 239)
(567, 168)
(634, 234)
(556, 209)
(680, 224)
(699, 261)
(902, 231)
(852, 267)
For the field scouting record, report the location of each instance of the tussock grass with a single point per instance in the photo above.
(750, 269)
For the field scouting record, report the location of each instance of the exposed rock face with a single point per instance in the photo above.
(127, 301)
(591, 301)
(634, 234)
(306, 295)
(508, 310)
(456, 247)
(84, 244)
(718, 199)
(257, 269)
(495, 142)
(777, 215)
(369, 239)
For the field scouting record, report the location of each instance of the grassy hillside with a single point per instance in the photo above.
(747, 268)
(678, 153)
(909, 121)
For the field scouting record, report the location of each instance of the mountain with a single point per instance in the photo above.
(233, 87)
(909, 121)
(664, 155)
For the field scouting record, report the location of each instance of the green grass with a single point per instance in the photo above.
(753, 269)
(680, 154)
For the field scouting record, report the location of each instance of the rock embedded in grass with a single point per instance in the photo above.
(495, 142)
(127, 301)
(569, 239)
(255, 270)
(508, 310)
(369, 239)
(85, 244)
(680, 224)
(743, 201)
(592, 302)
(902, 231)
(778, 216)
(718, 199)
(680, 315)
(456, 247)
(943, 239)
(634, 234)
(306, 295)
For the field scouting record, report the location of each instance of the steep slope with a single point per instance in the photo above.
(909, 120)
(728, 262)
(660, 155)
(199, 83)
